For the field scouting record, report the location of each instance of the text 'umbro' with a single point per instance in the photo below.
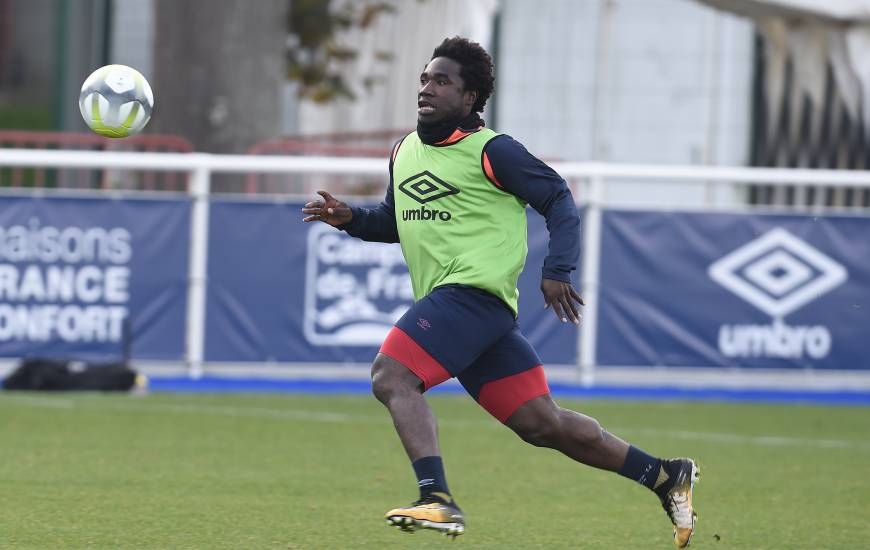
(426, 214)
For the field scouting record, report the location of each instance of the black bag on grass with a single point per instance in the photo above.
(45, 374)
(39, 374)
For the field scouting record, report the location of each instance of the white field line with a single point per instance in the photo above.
(38, 401)
(334, 417)
(763, 440)
(212, 410)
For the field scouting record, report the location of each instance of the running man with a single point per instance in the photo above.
(456, 202)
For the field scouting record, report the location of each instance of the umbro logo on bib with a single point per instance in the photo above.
(427, 187)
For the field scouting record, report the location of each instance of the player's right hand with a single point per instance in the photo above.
(329, 210)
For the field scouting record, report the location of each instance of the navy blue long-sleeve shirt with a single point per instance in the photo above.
(518, 172)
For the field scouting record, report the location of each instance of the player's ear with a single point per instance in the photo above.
(470, 98)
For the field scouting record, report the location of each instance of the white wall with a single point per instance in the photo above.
(642, 81)
(410, 34)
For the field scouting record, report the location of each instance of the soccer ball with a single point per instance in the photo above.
(116, 101)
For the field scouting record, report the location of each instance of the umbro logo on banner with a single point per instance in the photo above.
(426, 187)
(778, 273)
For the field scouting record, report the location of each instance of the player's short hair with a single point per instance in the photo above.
(476, 71)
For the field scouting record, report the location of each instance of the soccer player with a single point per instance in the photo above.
(456, 202)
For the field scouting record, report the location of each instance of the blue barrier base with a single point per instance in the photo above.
(212, 384)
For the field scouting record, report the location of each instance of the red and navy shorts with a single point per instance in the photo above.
(471, 334)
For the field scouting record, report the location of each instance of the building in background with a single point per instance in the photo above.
(663, 81)
(666, 81)
(811, 93)
(644, 81)
(641, 81)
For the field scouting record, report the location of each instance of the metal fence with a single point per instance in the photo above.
(595, 184)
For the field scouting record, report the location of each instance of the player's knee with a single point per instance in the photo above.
(540, 431)
(585, 430)
(382, 386)
(559, 427)
(391, 379)
(539, 437)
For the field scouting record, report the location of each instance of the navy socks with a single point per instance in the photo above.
(430, 475)
(643, 468)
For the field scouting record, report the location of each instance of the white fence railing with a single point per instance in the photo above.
(719, 189)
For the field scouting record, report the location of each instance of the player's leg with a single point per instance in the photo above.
(401, 391)
(437, 338)
(544, 424)
(508, 381)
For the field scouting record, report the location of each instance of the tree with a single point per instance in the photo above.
(220, 64)
(315, 56)
(219, 68)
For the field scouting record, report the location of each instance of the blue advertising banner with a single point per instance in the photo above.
(282, 290)
(72, 270)
(733, 290)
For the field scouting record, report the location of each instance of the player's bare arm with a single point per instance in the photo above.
(329, 210)
(562, 297)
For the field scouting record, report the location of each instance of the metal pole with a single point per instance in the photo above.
(591, 266)
(199, 189)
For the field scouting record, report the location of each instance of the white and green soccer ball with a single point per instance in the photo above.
(116, 101)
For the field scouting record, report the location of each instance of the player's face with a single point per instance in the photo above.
(442, 93)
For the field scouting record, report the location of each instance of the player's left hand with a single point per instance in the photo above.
(561, 297)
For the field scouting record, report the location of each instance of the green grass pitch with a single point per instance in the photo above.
(296, 472)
